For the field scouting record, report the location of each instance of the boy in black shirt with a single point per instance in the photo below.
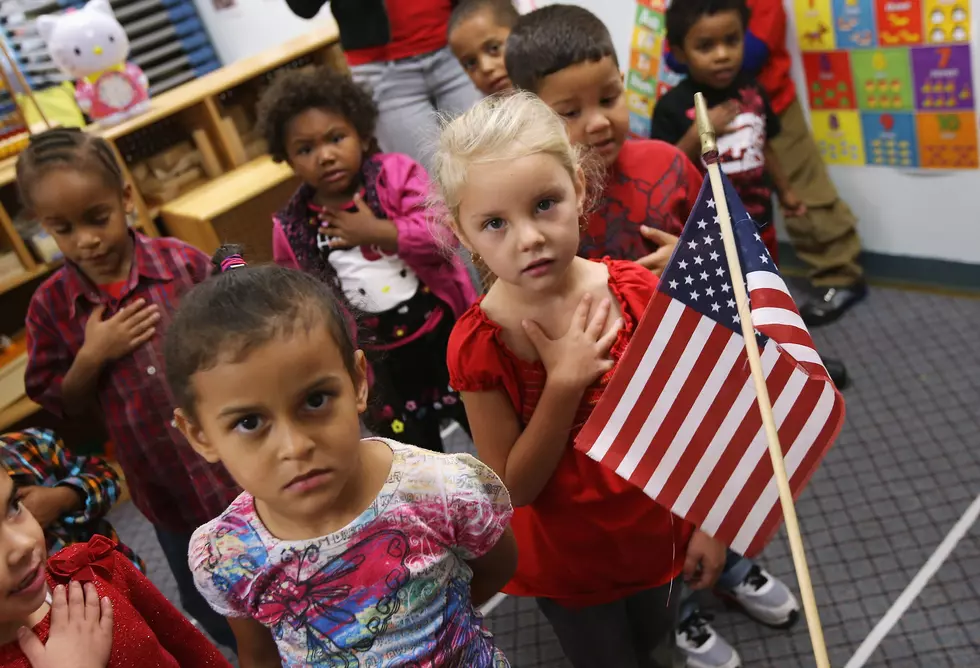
(708, 37)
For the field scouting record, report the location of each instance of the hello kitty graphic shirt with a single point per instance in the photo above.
(740, 147)
(390, 589)
(402, 295)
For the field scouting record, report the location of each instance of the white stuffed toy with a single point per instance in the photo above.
(91, 46)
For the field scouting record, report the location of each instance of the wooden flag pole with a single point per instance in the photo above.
(709, 150)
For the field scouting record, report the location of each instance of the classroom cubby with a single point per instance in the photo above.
(198, 168)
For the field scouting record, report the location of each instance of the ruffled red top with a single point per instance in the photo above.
(590, 537)
(147, 632)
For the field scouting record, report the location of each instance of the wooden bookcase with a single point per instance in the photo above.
(232, 200)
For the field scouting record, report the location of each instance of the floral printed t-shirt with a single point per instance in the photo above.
(390, 589)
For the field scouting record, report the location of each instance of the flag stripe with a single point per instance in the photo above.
(789, 428)
(738, 442)
(705, 383)
(739, 477)
(803, 474)
(657, 418)
(727, 400)
(621, 394)
(793, 458)
(651, 402)
(761, 317)
(743, 403)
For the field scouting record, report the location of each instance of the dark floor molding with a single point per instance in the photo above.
(912, 272)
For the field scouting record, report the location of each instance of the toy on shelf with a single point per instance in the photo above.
(91, 46)
(15, 133)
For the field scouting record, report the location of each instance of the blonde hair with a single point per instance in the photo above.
(499, 128)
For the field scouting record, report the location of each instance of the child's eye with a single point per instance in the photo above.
(336, 139)
(14, 508)
(609, 101)
(546, 204)
(493, 48)
(494, 224)
(568, 114)
(304, 150)
(317, 400)
(61, 230)
(248, 424)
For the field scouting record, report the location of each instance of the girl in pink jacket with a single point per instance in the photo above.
(359, 222)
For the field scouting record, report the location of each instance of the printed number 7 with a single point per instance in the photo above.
(944, 55)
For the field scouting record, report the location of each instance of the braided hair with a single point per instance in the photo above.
(70, 147)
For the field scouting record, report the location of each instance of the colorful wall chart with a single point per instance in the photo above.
(890, 82)
(645, 64)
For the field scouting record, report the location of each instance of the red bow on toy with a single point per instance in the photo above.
(84, 563)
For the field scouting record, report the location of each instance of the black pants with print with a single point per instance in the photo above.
(410, 396)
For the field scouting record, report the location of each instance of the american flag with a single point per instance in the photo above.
(679, 418)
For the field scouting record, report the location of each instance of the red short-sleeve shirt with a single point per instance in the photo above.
(651, 183)
(590, 537)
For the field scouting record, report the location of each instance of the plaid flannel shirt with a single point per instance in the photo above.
(35, 457)
(172, 485)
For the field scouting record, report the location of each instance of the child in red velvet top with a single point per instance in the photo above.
(530, 360)
(148, 631)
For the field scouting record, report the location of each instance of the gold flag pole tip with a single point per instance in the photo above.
(709, 145)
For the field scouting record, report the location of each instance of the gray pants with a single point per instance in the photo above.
(411, 93)
(634, 632)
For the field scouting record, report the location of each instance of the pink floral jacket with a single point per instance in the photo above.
(425, 246)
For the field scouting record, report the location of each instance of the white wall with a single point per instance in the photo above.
(923, 214)
(252, 26)
(920, 213)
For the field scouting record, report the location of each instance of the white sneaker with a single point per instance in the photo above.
(764, 598)
(702, 645)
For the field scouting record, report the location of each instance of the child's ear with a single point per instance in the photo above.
(580, 190)
(361, 382)
(195, 436)
(127, 198)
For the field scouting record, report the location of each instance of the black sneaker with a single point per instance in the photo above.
(829, 304)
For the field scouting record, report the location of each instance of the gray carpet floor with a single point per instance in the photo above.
(904, 470)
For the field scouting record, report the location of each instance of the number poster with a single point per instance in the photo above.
(890, 82)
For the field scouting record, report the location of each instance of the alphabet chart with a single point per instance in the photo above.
(890, 82)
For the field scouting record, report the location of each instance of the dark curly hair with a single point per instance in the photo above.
(681, 16)
(295, 91)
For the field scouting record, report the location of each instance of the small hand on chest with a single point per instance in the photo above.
(555, 318)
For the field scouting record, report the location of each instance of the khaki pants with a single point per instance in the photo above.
(826, 238)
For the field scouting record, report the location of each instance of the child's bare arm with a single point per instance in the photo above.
(790, 201)
(256, 647)
(524, 459)
(494, 569)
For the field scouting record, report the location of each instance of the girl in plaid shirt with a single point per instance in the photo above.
(94, 336)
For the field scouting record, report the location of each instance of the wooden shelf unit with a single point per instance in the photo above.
(233, 202)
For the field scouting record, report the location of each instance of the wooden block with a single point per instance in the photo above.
(233, 142)
(209, 158)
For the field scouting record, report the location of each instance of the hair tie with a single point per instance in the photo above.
(232, 262)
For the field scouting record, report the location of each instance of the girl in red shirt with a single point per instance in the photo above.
(531, 360)
(148, 631)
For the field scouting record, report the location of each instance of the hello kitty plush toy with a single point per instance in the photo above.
(90, 46)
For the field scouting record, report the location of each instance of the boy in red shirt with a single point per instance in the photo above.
(649, 187)
(565, 55)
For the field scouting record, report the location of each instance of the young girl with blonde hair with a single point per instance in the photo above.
(531, 359)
